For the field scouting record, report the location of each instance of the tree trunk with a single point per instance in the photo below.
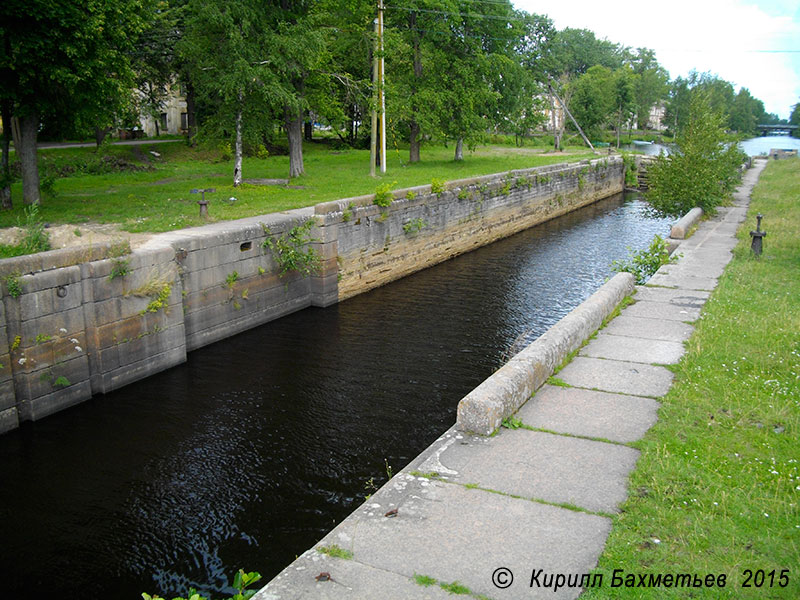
(191, 118)
(5, 171)
(293, 120)
(619, 126)
(237, 152)
(459, 149)
(413, 151)
(26, 153)
(100, 134)
(554, 121)
(308, 131)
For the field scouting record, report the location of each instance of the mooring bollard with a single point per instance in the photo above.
(203, 202)
(757, 235)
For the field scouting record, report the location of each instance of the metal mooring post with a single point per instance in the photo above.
(757, 236)
(202, 202)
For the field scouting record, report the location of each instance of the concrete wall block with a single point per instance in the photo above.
(150, 258)
(70, 320)
(5, 367)
(45, 280)
(9, 418)
(7, 397)
(43, 406)
(152, 343)
(129, 373)
(35, 304)
(214, 333)
(43, 382)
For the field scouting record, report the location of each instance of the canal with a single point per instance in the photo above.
(256, 447)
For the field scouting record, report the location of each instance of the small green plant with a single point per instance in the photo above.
(41, 338)
(512, 422)
(261, 270)
(410, 195)
(231, 279)
(16, 343)
(119, 268)
(13, 284)
(455, 588)
(225, 151)
(438, 186)
(288, 250)
(464, 194)
(335, 551)
(414, 226)
(241, 581)
(34, 237)
(383, 194)
(347, 213)
(424, 580)
(77, 232)
(61, 382)
(644, 263)
(388, 468)
(161, 299)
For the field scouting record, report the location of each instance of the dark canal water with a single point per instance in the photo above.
(250, 452)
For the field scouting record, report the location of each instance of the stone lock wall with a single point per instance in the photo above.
(79, 322)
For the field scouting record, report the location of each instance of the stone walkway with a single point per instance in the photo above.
(528, 503)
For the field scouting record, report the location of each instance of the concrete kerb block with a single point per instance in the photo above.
(682, 227)
(482, 410)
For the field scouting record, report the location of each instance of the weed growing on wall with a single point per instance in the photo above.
(241, 582)
(644, 263)
(291, 250)
(383, 194)
(13, 285)
(414, 226)
(34, 238)
(438, 186)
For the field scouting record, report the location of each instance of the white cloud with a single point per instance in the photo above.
(726, 37)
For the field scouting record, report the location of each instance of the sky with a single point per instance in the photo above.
(734, 39)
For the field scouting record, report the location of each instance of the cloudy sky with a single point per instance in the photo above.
(751, 43)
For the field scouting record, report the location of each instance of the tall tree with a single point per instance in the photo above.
(593, 99)
(624, 97)
(794, 119)
(650, 85)
(704, 168)
(66, 59)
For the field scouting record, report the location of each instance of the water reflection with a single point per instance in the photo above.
(250, 452)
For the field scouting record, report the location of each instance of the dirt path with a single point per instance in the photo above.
(67, 236)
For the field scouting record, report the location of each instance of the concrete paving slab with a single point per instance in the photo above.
(684, 298)
(621, 377)
(633, 349)
(684, 282)
(544, 466)
(445, 531)
(653, 329)
(349, 579)
(589, 413)
(662, 310)
(700, 270)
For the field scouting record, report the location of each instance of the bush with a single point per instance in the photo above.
(704, 169)
(642, 264)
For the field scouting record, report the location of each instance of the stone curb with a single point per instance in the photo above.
(682, 227)
(482, 410)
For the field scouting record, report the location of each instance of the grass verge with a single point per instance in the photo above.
(146, 188)
(717, 486)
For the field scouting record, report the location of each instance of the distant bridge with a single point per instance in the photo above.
(776, 129)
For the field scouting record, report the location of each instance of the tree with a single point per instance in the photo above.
(64, 60)
(794, 119)
(593, 98)
(624, 101)
(650, 84)
(704, 168)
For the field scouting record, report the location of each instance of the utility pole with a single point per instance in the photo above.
(381, 88)
(377, 145)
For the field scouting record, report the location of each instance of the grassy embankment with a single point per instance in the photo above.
(717, 486)
(153, 193)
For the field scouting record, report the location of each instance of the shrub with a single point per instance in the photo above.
(642, 264)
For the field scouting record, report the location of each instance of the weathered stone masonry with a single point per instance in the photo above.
(83, 322)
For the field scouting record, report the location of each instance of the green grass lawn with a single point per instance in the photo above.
(717, 486)
(156, 196)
